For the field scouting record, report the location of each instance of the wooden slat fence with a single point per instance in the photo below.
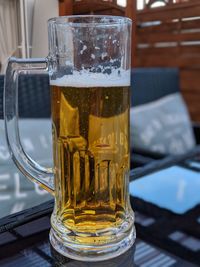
(170, 37)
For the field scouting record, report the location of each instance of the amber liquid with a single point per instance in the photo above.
(91, 156)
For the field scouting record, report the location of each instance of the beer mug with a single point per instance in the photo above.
(89, 66)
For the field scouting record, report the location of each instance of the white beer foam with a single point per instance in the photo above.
(89, 79)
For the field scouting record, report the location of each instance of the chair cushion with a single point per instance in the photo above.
(162, 126)
(16, 191)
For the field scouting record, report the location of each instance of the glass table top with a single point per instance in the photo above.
(28, 245)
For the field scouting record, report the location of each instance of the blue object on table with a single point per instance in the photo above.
(174, 188)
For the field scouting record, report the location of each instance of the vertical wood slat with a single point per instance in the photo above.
(130, 12)
(65, 7)
(97, 7)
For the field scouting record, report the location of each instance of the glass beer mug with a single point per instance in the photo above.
(89, 66)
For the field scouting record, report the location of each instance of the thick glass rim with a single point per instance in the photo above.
(90, 20)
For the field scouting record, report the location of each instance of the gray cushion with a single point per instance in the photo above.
(162, 126)
(16, 191)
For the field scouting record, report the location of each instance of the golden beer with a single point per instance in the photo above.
(91, 158)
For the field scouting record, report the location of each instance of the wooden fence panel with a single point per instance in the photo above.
(193, 108)
(97, 7)
(189, 80)
(176, 11)
(170, 37)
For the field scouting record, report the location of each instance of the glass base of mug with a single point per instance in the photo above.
(92, 253)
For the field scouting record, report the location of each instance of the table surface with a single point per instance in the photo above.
(168, 234)
(29, 246)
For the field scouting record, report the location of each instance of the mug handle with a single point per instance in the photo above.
(31, 169)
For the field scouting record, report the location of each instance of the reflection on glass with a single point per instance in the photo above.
(124, 260)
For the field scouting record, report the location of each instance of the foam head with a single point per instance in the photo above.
(117, 78)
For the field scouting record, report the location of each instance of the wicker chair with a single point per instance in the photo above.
(34, 96)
